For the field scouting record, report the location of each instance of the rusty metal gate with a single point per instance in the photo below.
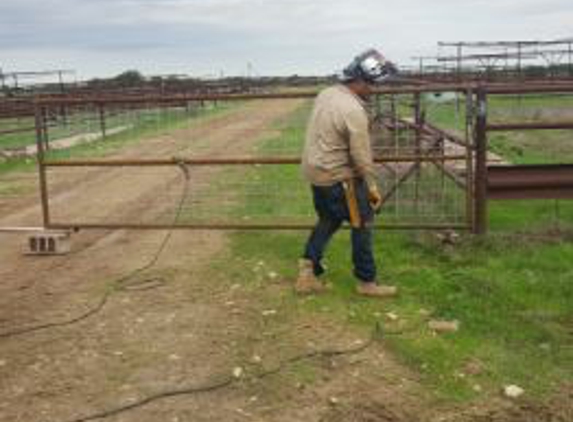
(248, 178)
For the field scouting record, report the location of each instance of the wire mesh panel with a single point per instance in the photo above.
(203, 194)
(258, 183)
(430, 188)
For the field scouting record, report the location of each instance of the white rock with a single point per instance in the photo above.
(238, 372)
(391, 316)
(513, 391)
(442, 326)
(333, 401)
(269, 312)
(2, 362)
(273, 275)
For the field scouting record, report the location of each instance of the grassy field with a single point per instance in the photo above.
(146, 123)
(512, 292)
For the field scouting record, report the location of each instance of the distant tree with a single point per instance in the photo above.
(535, 71)
(95, 82)
(129, 78)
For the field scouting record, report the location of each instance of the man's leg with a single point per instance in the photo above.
(318, 240)
(363, 255)
(363, 249)
(327, 205)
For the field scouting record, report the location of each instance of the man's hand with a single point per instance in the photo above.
(374, 198)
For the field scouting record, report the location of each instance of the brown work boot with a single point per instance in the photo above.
(372, 289)
(307, 283)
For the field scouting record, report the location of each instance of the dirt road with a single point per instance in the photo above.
(61, 371)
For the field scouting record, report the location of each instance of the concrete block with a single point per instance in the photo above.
(49, 243)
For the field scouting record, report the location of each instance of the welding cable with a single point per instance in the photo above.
(228, 380)
(123, 283)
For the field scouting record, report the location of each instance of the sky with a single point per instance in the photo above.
(206, 38)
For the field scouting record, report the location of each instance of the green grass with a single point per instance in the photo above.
(534, 147)
(14, 140)
(515, 310)
(535, 216)
(512, 292)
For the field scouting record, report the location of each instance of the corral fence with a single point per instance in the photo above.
(434, 175)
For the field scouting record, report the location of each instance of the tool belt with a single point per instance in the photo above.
(352, 202)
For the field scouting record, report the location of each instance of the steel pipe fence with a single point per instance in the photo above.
(241, 154)
(535, 113)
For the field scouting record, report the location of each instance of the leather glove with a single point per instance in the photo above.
(375, 198)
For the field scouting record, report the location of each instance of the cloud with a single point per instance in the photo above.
(276, 36)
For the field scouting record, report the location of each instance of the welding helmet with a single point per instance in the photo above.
(370, 66)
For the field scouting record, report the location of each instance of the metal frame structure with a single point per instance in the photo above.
(497, 60)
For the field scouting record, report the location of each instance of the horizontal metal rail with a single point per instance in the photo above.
(234, 226)
(547, 88)
(503, 127)
(30, 229)
(530, 181)
(18, 130)
(229, 161)
(504, 88)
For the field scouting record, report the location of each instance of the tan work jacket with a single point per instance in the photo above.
(337, 143)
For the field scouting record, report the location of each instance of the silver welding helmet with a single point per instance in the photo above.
(370, 66)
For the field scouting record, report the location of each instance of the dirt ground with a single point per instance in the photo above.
(196, 328)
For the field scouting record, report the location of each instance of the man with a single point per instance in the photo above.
(337, 161)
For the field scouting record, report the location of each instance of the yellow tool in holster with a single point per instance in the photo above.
(352, 202)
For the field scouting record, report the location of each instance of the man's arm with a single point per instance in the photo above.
(361, 153)
(359, 143)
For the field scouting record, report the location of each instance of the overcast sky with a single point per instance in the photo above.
(207, 37)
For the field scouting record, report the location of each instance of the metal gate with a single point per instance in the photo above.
(433, 171)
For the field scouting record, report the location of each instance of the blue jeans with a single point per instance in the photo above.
(332, 210)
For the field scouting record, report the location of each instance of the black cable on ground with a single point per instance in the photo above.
(218, 385)
(122, 283)
(230, 379)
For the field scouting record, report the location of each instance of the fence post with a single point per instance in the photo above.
(480, 187)
(419, 122)
(44, 125)
(101, 110)
(469, 131)
(39, 113)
